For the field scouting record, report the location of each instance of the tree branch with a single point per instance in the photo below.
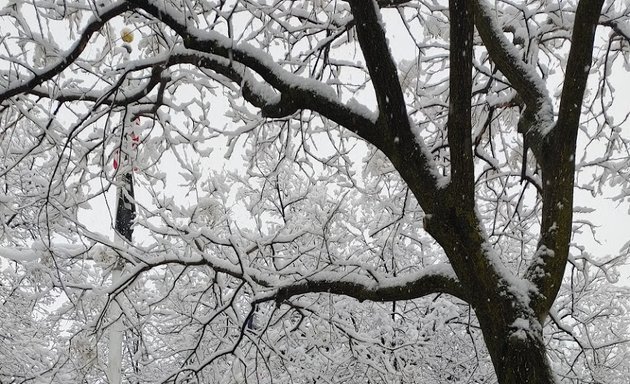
(397, 141)
(521, 75)
(391, 133)
(380, 64)
(618, 29)
(110, 96)
(538, 116)
(577, 70)
(435, 279)
(558, 163)
(459, 113)
(70, 56)
(438, 278)
(296, 92)
(391, 3)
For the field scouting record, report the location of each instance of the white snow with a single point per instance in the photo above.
(521, 323)
(18, 254)
(544, 108)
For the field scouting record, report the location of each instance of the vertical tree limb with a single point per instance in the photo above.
(558, 163)
(459, 115)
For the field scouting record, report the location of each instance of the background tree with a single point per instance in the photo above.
(368, 191)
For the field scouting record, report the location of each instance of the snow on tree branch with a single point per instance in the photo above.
(434, 279)
(66, 59)
(324, 191)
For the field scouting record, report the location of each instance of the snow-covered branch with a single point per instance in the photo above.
(558, 162)
(16, 87)
(431, 280)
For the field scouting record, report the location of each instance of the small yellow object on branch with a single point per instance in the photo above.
(127, 35)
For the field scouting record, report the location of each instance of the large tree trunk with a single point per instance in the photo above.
(518, 352)
(512, 331)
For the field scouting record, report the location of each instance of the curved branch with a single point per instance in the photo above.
(617, 29)
(296, 92)
(435, 279)
(391, 134)
(438, 278)
(538, 117)
(111, 96)
(521, 75)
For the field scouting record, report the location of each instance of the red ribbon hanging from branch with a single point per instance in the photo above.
(135, 140)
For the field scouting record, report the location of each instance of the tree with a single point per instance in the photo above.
(312, 261)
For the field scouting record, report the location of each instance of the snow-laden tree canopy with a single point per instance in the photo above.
(329, 191)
